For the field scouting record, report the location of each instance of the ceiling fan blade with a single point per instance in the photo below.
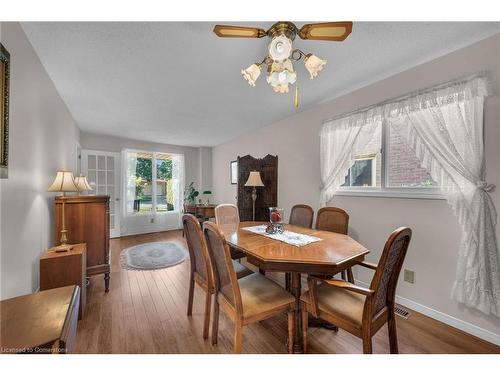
(333, 31)
(225, 31)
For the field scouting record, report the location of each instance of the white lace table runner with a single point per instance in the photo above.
(291, 238)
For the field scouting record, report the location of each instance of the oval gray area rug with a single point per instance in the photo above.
(152, 256)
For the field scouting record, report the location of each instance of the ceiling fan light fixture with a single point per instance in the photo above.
(281, 89)
(251, 74)
(280, 48)
(281, 75)
(313, 64)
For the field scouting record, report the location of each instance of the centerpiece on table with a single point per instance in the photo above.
(276, 216)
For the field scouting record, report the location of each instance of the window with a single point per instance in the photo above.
(152, 182)
(363, 172)
(388, 166)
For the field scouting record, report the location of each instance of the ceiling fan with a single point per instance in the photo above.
(281, 53)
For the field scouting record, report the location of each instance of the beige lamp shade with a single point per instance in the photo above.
(254, 179)
(82, 183)
(64, 182)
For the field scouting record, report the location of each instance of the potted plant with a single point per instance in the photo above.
(190, 194)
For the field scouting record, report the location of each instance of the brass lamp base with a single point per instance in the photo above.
(64, 241)
(61, 248)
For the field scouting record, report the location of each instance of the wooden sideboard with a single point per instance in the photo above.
(58, 269)
(43, 322)
(206, 211)
(87, 221)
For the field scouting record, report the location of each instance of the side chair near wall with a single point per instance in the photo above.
(302, 215)
(333, 219)
(201, 267)
(247, 300)
(361, 311)
(227, 217)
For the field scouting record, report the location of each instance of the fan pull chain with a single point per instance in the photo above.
(296, 101)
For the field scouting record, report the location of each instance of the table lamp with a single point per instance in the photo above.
(254, 180)
(64, 182)
(82, 184)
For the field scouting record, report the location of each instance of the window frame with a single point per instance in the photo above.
(385, 191)
(153, 185)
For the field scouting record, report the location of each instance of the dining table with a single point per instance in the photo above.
(330, 254)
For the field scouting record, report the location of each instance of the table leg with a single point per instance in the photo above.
(297, 332)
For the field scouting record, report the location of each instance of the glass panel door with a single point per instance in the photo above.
(103, 174)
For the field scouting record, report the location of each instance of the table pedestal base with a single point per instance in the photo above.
(318, 322)
(295, 286)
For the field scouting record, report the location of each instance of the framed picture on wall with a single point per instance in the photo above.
(4, 111)
(234, 172)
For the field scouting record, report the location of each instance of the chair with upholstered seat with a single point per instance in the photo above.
(201, 267)
(358, 310)
(247, 300)
(334, 219)
(227, 217)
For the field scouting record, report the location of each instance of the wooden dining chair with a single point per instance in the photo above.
(334, 219)
(302, 215)
(247, 300)
(358, 310)
(227, 217)
(201, 267)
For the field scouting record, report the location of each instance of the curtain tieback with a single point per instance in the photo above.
(485, 186)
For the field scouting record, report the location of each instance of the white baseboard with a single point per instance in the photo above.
(445, 318)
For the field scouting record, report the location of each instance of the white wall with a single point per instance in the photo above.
(198, 168)
(205, 157)
(434, 248)
(42, 139)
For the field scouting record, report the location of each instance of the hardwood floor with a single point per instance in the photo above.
(145, 312)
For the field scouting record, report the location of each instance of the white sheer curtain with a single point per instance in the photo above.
(444, 126)
(446, 133)
(178, 183)
(129, 163)
(341, 140)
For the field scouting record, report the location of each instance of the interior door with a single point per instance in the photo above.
(103, 174)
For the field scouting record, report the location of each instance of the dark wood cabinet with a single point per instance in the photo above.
(87, 221)
(267, 196)
(58, 269)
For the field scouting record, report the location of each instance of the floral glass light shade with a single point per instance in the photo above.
(313, 64)
(280, 48)
(281, 75)
(251, 74)
(82, 184)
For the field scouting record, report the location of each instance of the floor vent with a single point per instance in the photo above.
(402, 312)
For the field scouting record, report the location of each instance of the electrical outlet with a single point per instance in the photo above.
(409, 276)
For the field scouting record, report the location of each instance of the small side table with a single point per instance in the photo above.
(58, 269)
